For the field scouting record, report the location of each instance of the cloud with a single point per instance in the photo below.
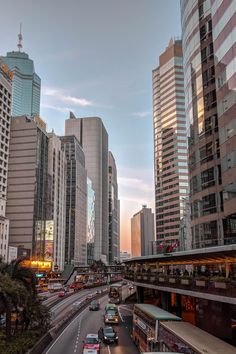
(135, 183)
(62, 97)
(56, 108)
(142, 114)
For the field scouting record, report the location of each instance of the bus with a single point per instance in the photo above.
(55, 284)
(146, 323)
(115, 293)
(187, 338)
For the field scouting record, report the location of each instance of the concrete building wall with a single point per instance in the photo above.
(113, 228)
(142, 232)
(57, 171)
(94, 140)
(27, 202)
(76, 202)
(5, 121)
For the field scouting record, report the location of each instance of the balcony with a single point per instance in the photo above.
(216, 285)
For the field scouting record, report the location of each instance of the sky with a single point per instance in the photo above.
(95, 58)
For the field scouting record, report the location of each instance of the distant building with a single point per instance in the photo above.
(90, 221)
(124, 255)
(5, 121)
(26, 85)
(28, 197)
(113, 204)
(93, 138)
(57, 172)
(142, 232)
(170, 145)
(76, 202)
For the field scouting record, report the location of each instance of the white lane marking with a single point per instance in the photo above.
(64, 331)
(109, 350)
(120, 315)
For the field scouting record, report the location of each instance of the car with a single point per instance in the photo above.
(77, 304)
(108, 335)
(111, 317)
(61, 294)
(91, 342)
(94, 306)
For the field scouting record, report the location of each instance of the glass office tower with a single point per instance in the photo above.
(26, 84)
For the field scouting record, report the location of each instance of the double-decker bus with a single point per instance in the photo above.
(115, 293)
(146, 323)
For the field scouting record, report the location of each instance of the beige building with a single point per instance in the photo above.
(5, 109)
(142, 232)
(57, 173)
(93, 138)
(170, 145)
(28, 201)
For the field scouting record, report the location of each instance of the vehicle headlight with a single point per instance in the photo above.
(105, 337)
(116, 337)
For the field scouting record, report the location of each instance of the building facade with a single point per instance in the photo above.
(93, 138)
(57, 172)
(142, 232)
(5, 121)
(76, 202)
(90, 221)
(224, 43)
(26, 85)
(28, 197)
(113, 221)
(170, 145)
(208, 46)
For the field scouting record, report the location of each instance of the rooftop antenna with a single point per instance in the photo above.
(20, 37)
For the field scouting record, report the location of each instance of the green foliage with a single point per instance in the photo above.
(20, 343)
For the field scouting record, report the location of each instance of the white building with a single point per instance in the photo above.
(57, 170)
(93, 138)
(5, 111)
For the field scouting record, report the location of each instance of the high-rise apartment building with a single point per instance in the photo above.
(113, 204)
(170, 145)
(142, 232)
(26, 83)
(209, 65)
(76, 202)
(93, 138)
(28, 198)
(224, 43)
(5, 111)
(57, 172)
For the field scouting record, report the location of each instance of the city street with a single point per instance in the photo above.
(71, 339)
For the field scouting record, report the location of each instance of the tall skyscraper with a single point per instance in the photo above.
(28, 197)
(209, 63)
(224, 43)
(170, 145)
(26, 83)
(93, 137)
(142, 232)
(57, 173)
(90, 221)
(113, 204)
(5, 110)
(76, 202)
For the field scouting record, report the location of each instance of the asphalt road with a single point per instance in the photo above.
(71, 339)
